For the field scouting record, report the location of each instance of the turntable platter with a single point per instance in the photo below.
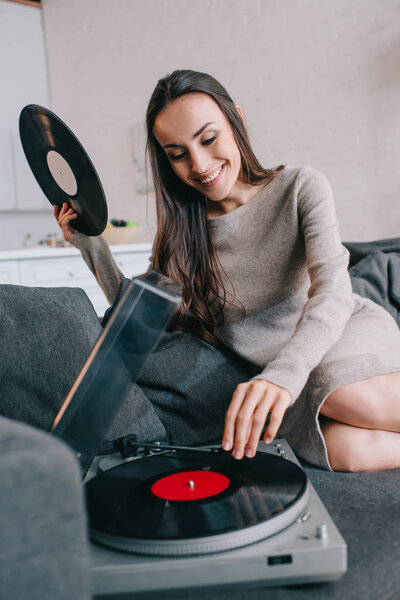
(180, 503)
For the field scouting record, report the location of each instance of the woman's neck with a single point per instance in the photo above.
(239, 195)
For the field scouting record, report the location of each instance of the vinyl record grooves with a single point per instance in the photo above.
(136, 508)
(62, 168)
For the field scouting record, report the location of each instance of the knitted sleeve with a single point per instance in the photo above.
(97, 255)
(330, 299)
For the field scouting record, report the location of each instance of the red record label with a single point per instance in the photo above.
(190, 485)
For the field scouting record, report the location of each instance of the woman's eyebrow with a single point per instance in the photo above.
(194, 135)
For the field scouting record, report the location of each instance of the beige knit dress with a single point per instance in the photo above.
(293, 312)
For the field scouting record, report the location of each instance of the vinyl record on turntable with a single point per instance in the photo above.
(183, 503)
(62, 168)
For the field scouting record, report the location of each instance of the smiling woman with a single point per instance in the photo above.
(197, 137)
(281, 343)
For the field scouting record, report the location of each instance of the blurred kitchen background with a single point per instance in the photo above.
(318, 80)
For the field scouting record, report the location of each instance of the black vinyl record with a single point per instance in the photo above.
(125, 502)
(62, 168)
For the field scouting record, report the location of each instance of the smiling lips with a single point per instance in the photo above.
(212, 179)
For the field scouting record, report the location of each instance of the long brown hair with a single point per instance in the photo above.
(183, 250)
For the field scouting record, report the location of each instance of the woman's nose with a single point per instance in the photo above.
(200, 162)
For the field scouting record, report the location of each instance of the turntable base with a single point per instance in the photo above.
(309, 550)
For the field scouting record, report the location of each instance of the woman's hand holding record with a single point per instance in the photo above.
(64, 217)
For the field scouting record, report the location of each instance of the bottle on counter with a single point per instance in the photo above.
(52, 240)
(28, 241)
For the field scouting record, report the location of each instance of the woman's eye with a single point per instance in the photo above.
(179, 156)
(176, 156)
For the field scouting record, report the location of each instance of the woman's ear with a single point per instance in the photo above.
(240, 111)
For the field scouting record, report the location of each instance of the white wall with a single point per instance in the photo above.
(319, 81)
(23, 80)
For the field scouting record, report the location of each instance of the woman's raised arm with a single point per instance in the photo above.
(95, 252)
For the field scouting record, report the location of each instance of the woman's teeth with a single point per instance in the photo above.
(212, 177)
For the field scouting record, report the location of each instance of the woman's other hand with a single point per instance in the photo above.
(251, 403)
(64, 217)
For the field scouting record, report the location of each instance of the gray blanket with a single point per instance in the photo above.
(375, 272)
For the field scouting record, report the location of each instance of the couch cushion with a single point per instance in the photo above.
(46, 334)
(45, 337)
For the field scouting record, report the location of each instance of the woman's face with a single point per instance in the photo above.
(199, 144)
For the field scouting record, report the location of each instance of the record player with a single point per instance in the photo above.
(298, 544)
(163, 517)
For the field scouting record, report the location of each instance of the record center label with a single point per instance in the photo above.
(190, 485)
(62, 173)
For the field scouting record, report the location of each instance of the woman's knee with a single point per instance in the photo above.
(349, 448)
(337, 445)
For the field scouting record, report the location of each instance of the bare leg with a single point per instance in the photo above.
(356, 449)
(372, 403)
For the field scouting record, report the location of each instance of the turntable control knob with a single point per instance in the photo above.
(322, 532)
(190, 483)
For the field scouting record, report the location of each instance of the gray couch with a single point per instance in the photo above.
(45, 335)
(43, 542)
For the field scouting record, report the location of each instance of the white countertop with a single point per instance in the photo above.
(49, 252)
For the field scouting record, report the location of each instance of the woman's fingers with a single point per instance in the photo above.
(259, 417)
(276, 419)
(245, 417)
(248, 412)
(60, 211)
(230, 417)
(64, 216)
(239, 416)
(65, 219)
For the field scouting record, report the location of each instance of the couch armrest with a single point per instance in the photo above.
(44, 550)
